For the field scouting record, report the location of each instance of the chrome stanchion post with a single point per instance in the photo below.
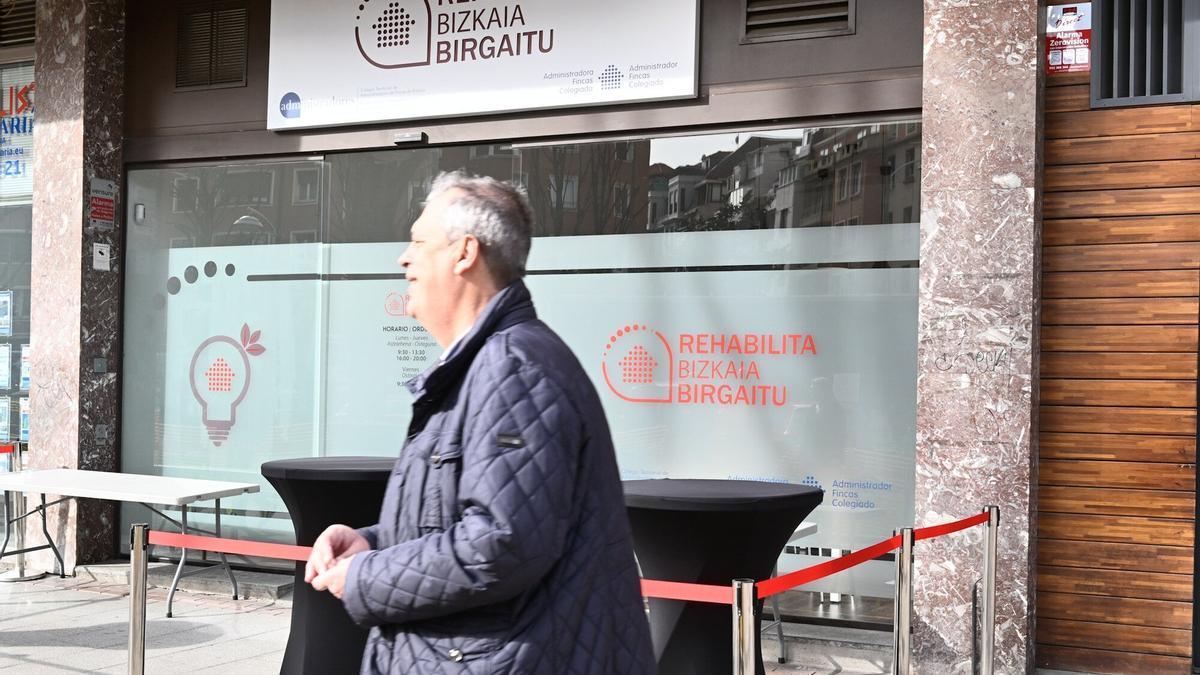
(138, 537)
(745, 630)
(902, 641)
(19, 509)
(988, 647)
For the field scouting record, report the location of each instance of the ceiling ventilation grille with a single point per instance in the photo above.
(211, 48)
(767, 20)
(17, 20)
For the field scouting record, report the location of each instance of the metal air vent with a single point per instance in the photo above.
(1142, 52)
(767, 20)
(17, 19)
(211, 47)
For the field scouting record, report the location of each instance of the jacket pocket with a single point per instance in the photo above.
(439, 507)
(458, 646)
(411, 503)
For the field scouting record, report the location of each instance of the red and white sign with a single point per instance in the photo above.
(102, 203)
(17, 94)
(1069, 38)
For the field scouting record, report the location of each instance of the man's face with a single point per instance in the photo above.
(429, 262)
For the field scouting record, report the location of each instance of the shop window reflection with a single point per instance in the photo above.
(233, 205)
(306, 186)
(15, 274)
(778, 181)
(185, 194)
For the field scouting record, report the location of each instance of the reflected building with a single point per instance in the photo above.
(851, 176)
(840, 176)
(681, 194)
(658, 190)
(574, 189)
(237, 205)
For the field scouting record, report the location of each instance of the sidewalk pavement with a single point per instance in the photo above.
(822, 650)
(80, 625)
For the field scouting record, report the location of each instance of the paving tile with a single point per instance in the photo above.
(64, 660)
(71, 625)
(257, 665)
(231, 652)
(80, 626)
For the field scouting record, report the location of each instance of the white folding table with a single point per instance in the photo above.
(122, 487)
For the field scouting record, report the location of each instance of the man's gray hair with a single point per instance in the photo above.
(494, 212)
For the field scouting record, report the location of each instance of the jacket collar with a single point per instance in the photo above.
(509, 307)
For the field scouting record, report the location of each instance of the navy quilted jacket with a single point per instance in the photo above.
(503, 545)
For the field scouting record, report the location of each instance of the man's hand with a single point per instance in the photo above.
(336, 544)
(334, 578)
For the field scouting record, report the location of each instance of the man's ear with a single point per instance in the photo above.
(469, 254)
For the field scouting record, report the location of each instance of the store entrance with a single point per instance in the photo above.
(744, 301)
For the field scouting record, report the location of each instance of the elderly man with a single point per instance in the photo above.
(503, 545)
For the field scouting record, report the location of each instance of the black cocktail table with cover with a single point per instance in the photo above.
(319, 492)
(708, 532)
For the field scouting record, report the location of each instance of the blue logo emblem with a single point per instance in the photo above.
(289, 105)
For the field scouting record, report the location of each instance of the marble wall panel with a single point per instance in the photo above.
(982, 409)
(980, 231)
(976, 287)
(75, 323)
(980, 74)
(100, 317)
(976, 403)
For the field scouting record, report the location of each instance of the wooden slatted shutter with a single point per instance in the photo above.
(211, 46)
(17, 19)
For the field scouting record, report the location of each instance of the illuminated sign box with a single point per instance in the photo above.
(373, 61)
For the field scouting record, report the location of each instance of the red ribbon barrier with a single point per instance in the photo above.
(676, 590)
(651, 588)
(948, 528)
(254, 548)
(808, 575)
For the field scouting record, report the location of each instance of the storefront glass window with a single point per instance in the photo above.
(746, 304)
(16, 221)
